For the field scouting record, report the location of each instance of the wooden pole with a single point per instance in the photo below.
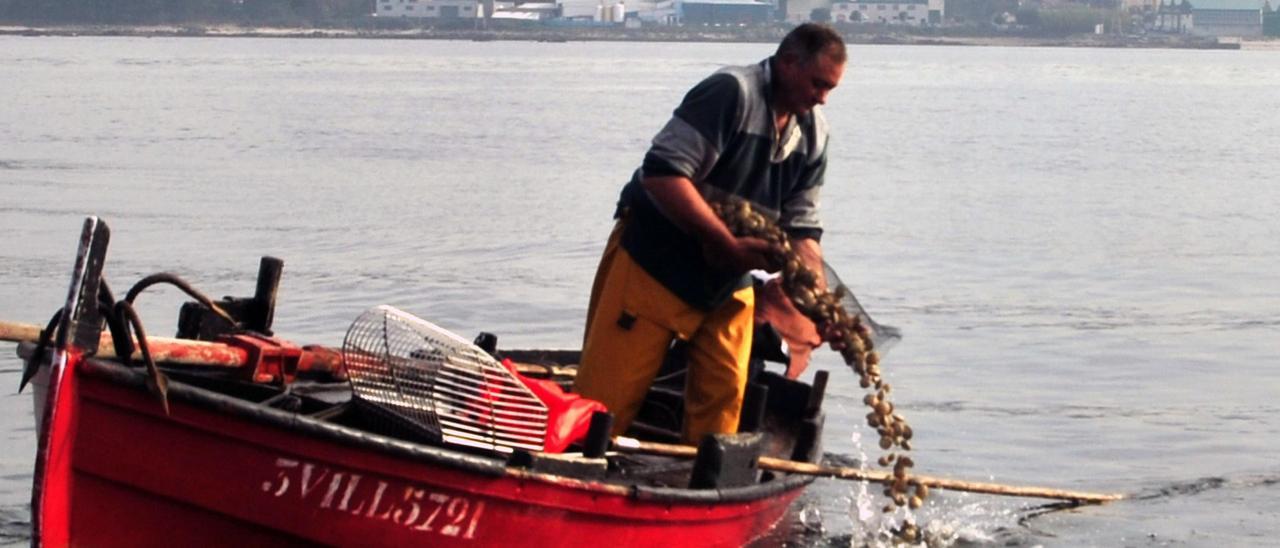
(19, 332)
(877, 476)
(213, 354)
(187, 352)
(163, 349)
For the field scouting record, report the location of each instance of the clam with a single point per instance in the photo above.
(909, 532)
(922, 490)
(803, 299)
(883, 407)
(826, 308)
(793, 264)
(857, 344)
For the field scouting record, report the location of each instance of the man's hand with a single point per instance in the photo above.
(681, 202)
(738, 254)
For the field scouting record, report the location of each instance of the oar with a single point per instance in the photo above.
(842, 472)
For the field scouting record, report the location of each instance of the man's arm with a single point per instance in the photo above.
(684, 206)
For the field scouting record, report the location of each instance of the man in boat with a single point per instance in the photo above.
(672, 270)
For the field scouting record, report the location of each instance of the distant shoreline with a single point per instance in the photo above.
(648, 34)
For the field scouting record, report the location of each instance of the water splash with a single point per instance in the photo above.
(947, 518)
(873, 526)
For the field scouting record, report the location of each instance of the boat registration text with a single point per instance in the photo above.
(406, 505)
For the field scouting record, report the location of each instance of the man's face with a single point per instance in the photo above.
(805, 85)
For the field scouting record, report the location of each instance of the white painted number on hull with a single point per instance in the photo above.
(409, 506)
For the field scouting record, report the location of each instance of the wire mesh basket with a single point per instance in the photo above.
(423, 377)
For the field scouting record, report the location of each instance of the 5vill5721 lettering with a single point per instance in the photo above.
(406, 505)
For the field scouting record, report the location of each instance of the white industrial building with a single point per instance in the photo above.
(442, 9)
(468, 9)
(1235, 18)
(889, 12)
(801, 11)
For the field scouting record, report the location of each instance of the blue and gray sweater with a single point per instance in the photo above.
(722, 138)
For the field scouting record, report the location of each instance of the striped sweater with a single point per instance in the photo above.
(722, 138)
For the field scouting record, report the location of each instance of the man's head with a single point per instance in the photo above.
(808, 65)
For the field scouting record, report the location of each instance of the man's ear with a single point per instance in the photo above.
(786, 65)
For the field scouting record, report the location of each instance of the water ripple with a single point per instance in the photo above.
(1201, 485)
(15, 525)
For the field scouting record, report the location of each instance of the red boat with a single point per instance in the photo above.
(228, 436)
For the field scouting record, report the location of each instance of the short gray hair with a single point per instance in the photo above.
(805, 42)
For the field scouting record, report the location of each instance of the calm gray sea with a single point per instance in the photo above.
(1082, 247)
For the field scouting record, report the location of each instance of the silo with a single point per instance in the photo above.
(619, 13)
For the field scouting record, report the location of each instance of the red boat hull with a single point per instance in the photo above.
(203, 475)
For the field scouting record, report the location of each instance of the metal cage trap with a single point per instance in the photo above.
(422, 377)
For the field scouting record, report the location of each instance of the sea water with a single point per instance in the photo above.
(1081, 246)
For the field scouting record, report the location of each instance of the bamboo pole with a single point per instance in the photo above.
(184, 352)
(19, 332)
(212, 354)
(877, 476)
(163, 349)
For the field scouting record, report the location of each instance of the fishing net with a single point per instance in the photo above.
(883, 337)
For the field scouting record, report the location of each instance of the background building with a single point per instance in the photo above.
(1226, 17)
(800, 11)
(1238, 18)
(891, 12)
(725, 12)
(440, 9)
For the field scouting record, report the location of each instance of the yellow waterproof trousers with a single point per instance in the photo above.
(632, 321)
